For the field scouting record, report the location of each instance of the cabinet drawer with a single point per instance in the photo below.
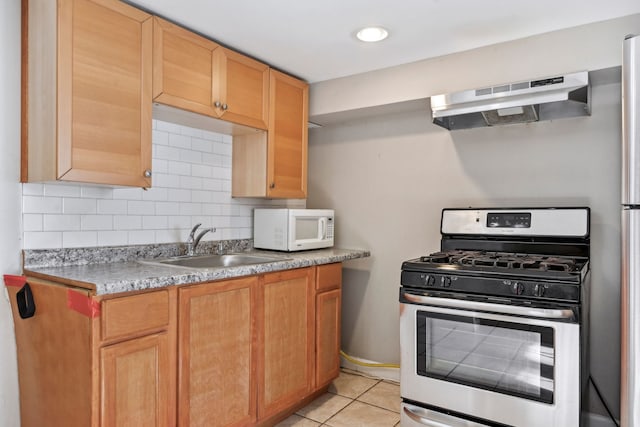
(134, 314)
(329, 276)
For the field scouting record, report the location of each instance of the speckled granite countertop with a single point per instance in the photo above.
(131, 275)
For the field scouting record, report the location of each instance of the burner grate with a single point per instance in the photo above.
(502, 260)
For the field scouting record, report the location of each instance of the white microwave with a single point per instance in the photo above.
(293, 229)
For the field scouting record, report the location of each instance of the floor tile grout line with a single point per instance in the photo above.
(345, 407)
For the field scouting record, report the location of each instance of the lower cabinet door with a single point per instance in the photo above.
(287, 334)
(327, 336)
(216, 353)
(136, 383)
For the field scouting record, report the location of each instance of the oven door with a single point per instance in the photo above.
(506, 364)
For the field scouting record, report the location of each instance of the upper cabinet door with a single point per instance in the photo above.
(183, 74)
(287, 139)
(195, 74)
(241, 91)
(104, 93)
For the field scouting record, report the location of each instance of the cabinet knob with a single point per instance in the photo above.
(147, 173)
(225, 107)
(273, 185)
(217, 104)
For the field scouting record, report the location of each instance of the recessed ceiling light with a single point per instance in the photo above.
(372, 34)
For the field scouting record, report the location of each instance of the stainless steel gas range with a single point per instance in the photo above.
(494, 327)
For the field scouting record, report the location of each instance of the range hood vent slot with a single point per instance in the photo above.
(522, 102)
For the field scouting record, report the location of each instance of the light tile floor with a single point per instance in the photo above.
(352, 401)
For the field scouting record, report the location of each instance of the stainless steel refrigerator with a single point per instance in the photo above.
(630, 290)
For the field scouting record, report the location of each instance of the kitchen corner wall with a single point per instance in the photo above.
(191, 184)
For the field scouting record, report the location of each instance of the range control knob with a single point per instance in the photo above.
(538, 290)
(445, 281)
(428, 279)
(517, 288)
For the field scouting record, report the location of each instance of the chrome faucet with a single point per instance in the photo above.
(193, 240)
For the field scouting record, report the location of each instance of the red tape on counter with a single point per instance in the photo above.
(16, 281)
(83, 304)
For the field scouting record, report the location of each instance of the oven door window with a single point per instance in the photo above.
(511, 358)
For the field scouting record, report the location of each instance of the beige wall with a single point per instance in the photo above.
(388, 177)
(10, 224)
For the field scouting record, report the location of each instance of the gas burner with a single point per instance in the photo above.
(501, 260)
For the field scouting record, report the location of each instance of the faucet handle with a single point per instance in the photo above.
(193, 230)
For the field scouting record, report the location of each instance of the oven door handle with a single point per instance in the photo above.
(420, 416)
(545, 313)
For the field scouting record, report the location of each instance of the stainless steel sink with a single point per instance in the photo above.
(218, 261)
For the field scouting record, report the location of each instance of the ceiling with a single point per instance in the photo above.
(315, 40)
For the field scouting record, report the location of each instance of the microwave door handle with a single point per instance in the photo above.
(544, 313)
(322, 228)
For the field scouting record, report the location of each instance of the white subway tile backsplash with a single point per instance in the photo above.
(166, 152)
(190, 156)
(223, 149)
(165, 180)
(31, 189)
(199, 144)
(160, 137)
(32, 222)
(128, 193)
(79, 206)
(180, 141)
(190, 209)
(167, 127)
(79, 239)
(112, 238)
(94, 192)
(159, 166)
(96, 222)
(154, 222)
(139, 207)
(180, 223)
(167, 208)
(42, 240)
(155, 194)
(61, 190)
(112, 207)
(127, 222)
(191, 184)
(203, 171)
(178, 168)
(176, 195)
(41, 204)
(61, 222)
(140, 237)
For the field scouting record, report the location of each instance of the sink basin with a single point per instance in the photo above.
(219, 261)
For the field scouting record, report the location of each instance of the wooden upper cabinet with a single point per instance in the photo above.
(182, 68)
(287, 139)
(86, 92)
(195, 74)
(274, 164)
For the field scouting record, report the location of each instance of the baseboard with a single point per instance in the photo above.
(391, 374)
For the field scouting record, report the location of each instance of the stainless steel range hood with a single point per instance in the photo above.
(549, 98)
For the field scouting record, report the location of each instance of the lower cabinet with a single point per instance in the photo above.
(135, 382)
(328, 319)
(217, 353)
(287, 340)
(238, 352)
